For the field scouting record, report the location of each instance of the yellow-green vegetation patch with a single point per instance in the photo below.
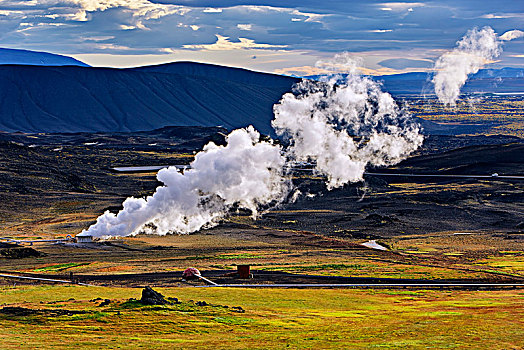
(317, 267)
(59, 267)
(239, 256)
(227, 256)
(510, 264)
(233, 320)
(270, 319)
(402, 292)
(357, 267)
(416, 251)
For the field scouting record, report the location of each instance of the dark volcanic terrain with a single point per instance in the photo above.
(447, 228)
(386, 206)
(73, 171)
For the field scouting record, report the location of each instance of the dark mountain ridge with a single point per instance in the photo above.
(206, 70)
(36, 58)
(78, 99)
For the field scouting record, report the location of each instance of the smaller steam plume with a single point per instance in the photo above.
(473, 51)
(344, 123)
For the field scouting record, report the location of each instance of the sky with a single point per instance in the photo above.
(285, 37)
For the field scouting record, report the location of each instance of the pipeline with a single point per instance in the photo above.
(45, 280)
(370, 285)
(19, 241)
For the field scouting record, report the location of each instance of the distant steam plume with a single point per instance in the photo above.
(473, 51)
(341, 123)
(344, 123)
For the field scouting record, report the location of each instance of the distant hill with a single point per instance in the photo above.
(486, 80)
(80, 99)
(35, 58)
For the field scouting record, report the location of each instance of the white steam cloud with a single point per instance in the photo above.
(345, 123)
(342, 124)
(245, 172)
(473, 51)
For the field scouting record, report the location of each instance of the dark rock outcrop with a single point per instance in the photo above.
(19, 253)
(152, 297)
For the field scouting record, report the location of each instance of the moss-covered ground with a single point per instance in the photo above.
(268, 319)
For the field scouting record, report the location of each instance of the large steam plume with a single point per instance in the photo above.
(344, 123)
(473, 51)
(245, 172)
(341, 123)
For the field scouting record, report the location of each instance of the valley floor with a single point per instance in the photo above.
(435, 229)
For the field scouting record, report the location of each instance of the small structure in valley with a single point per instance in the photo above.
(84, 239)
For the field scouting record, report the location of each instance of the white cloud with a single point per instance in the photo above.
(380, 31)
(502, 15)
(109, 46)
(400, 6)
(512, 35)
(98, 38)
(310, 17)
(10, 13)
(492, 16)
(223, 43)
(244, 26)
(78, 10)
(212, 10)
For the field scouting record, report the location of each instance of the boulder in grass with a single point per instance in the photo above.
(152, 297)
(20, 253)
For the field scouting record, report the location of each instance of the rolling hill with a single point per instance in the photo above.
(485, 81)
(502, 80)
(36, 58)
(75, 99)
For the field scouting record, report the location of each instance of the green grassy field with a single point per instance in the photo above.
(272, 318)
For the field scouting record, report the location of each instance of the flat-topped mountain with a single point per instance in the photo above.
(36, 58)
(80, 99)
